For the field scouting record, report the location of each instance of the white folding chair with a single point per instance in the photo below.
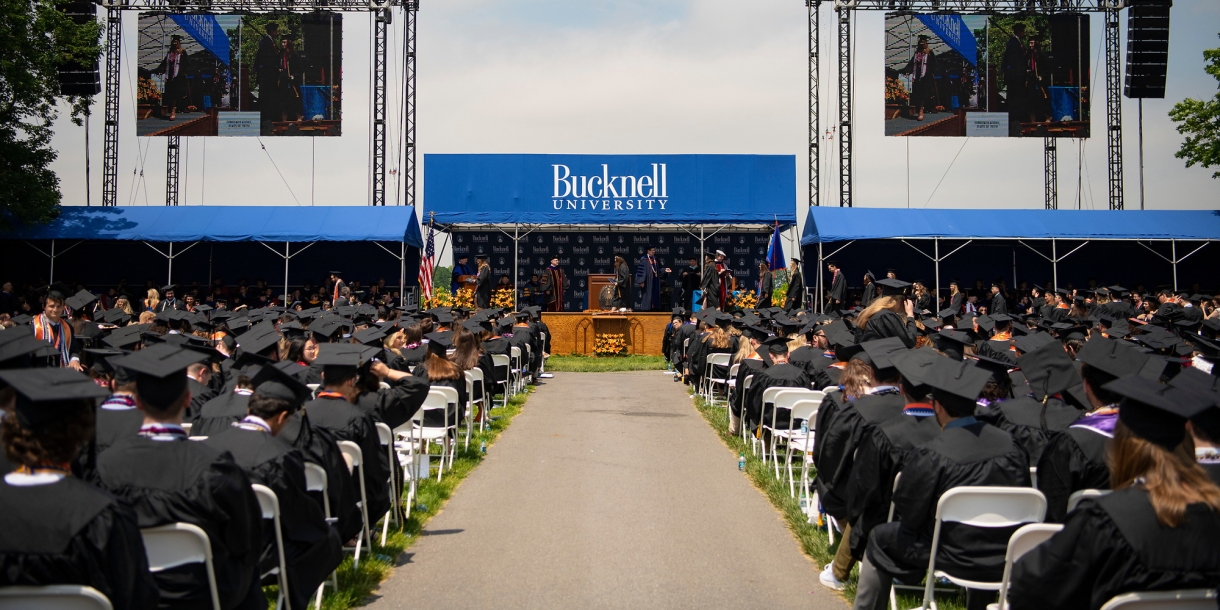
(198, 438)
(741, 407)
(501, 361)
(542, 365)
(315, 481)
(176, 544)
(710, 381)
(784, 401)
(439, 398)
(1023, 541)
(474, 379)
(988, 507)
(728, 392)
(1081, 494)
(355, 465)
(517, 371)
(408, 446)
(803, 409)
(1183, 599)
(54, 597)
(269, 504)
(386, 437)
(778, 398)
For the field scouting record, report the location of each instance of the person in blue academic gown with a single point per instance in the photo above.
(648, 276)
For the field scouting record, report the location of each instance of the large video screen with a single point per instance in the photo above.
(994, 76)
(204, 74)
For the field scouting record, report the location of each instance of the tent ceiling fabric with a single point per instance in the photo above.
(827, 224)
(230, 223)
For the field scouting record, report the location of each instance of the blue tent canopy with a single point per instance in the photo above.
(826, 224)
(230, 224)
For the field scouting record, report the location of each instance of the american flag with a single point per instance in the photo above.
(426, 263)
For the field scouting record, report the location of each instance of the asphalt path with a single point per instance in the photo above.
(608, 491)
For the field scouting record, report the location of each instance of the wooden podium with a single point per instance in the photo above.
(597, 281)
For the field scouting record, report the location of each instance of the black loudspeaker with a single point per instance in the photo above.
(1147, 48)
(77, 78)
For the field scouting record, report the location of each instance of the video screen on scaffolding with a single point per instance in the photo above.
(248, 75)
(956, 75)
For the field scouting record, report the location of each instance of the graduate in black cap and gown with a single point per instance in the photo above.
(482, 283)
(779, 375)
(888, 316)
(312, 548)
(168, 479)
(966, 452)
(1157, 531)
(795, 298)
(54, 528)
(837, 295)
(710, 283)
(442, 372)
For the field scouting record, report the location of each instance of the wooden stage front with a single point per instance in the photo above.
(573, 332)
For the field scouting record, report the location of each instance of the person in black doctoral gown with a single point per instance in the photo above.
(779, 375)
(710, 283)
(888, 316)
(869, 292)
(482, 290)
(795, 298)
(1157, 531)
(226, 409)
(766, 284)
(169, 479)
(56, 529)
(334, 409)
(966, 452)
(1075, 459)
(312, 549)
(1032, 420)
(688, 331)
(837, 295)
(117, 417)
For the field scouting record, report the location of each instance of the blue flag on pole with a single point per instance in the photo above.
(775, 251)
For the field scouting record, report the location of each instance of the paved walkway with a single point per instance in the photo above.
(608, 491)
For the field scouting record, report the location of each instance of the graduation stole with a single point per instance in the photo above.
(59, 468)
(44, 330)
(331, 394)
(1101, 421)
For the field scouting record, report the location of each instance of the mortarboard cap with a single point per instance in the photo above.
(952, 343)
(80, 300)
(914, 364)
(776, 345)
(45, 395)
(259, 339)
(881, 350)
(160, 372)
(370, 336)
(891, 287)
(440, 343)
(477, 326)
(1048, 370)
(1156, 412)
(956, 382)
(20, 319)
(1111, 357)
(338, 355)
(277, 383)
(19, 341)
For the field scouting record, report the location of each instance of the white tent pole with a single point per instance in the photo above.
(170, 280)
(52, 280)
(286, 259)
(821, 293)
(402, 273)
(1174, 244)
(936, 260)
(516, 253)
(1054, 263)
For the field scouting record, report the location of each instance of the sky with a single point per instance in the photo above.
(654, 76)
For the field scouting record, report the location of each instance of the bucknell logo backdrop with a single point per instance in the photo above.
(580, 255)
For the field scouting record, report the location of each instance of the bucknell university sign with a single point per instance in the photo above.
(626, 193)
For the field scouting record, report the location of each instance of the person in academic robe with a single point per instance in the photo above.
(888, 316)
(334, 409)
(766, 284)
(998, 304)
(170, 300)
(780, 374)
(957, 298)
(922, 68)
(198, 380)
(622, 285)
(710, 283)
(689, 280)
(648, 276)
(1155, 532)
(842, 436)
(168, 479)
(312, 549)
(1033, 419)
(1015, 65)
(553, 284)
(442, 372)
(1075, 458)
(54, 528)
(267, 70)
(883, 451)
(461, 268)
(757, 359)
(924, 300)
(837, 295)
(667, 339)
(175, 67)
(869, 292)
(50, 326)
(226, 409)
(482, 290)
(717, 340)
(724, 277)
(684, 339)
(397, 404)
(966, 452)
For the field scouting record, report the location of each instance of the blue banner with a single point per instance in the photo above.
(207, 32)
(610, 189)
(953, 31)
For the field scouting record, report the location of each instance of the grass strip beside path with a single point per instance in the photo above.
(813, 540)
(356, 585)
(604, 364)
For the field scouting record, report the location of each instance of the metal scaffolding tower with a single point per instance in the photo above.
(1114, 107)
(815, 155)
(844, 106)
(1050, 162)
(171, 170)
(110, 138)
(410, 9)
(381, 20)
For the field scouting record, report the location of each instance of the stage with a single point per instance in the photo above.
(573, 332)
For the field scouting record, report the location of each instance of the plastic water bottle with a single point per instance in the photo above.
(804, 427)
(483, 448)
(741, 462)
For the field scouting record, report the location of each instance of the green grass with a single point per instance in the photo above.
(355, 585)
(604, 364)
(813, 540)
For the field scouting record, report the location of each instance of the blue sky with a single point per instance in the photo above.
(656, 76)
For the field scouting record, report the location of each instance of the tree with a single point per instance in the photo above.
(36, 37)
(1199, 121)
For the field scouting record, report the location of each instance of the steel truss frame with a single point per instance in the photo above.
(1110, 8)
(381, 10)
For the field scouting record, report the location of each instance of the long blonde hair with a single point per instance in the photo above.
(889, 302)
(153, 299)
(1173, 479)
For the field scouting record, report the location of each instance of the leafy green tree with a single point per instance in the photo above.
(441, 277)
(35, 39)
(1199, 121)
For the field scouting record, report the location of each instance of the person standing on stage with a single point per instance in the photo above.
(726, 277)
(1015, 64)
(50, 326)
(838, 287)
(622, 284)
(482, 290)
(267, 69)
(177, 91)
(554, 284)
(998, 304)
(337, 287)
(461, 268)
(648, 276)
(690, 283)
(710, 284)
(766, 284)
(796, 286)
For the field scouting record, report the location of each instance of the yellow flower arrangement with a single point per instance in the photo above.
(743, 299)
(502, 297)
(440, 298)
(609, 344)
(464, 298)
(779, 295)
